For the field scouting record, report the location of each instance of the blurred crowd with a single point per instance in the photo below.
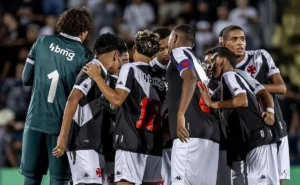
(23, 21)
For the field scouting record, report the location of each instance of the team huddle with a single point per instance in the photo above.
(167, 117)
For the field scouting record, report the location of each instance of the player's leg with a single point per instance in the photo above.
(34, 161)
(152, 174)
(109, 173)
(283, 159)
(166, 166)
(237, 173)
(129, 167)
(224, 173)
(194, 162)
(261, 166)
(58, 167)
(86, 166)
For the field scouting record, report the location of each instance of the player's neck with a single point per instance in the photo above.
(106, 65)
(241, 58)
(142, 58)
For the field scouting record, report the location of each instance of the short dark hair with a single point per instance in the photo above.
(226, 53)
(74, 21)
(213, 50)
(163, 32)
(225, 32)
(187, 30)
(108, 42)
(147, 42)
(122, 46)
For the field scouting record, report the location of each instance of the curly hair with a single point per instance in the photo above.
(147, 43)
(108, 42)
(74, 21)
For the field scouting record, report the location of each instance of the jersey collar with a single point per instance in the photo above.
(243, 61)
(71, 37)
(155, 61)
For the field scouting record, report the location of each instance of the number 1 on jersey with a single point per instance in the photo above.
(54, 77)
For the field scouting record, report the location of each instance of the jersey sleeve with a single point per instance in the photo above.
(254, 84)
(126, 76)
(232, 84)
(83, 83)
(28, 71)
(181, 60)
(272, 69)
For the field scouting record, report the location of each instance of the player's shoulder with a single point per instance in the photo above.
(258, 53)
(229, 75)
(242, 73)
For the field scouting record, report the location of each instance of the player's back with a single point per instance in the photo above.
(138, 122)
(57, 61)
(247, 129)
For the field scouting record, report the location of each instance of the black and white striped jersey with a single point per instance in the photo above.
(198, 123)
(138, 122)
(85, 132)
(261, 66)
(246, 127)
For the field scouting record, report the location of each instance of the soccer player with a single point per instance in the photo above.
(194, 154)
(139, 94)
(224, 173)
(51, 68)
(109, 116)
(160, 63)
(249, 133)
(261, 66)
(83, 120)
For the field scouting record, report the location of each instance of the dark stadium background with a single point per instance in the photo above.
(275, 26)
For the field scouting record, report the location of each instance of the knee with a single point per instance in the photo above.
(36, 180)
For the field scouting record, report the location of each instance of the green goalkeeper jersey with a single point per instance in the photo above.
(51, 69)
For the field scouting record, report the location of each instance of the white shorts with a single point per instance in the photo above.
(194, 162)
(137, 168)
(166, 166)
(86, 166)
(284, 159)
(260, 167)
(109, 173)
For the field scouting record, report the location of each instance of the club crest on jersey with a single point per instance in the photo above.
(65, 52)
(251, 69)
(155, 81)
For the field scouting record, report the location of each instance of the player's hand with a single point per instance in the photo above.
(60, 148)
(92, 70)
(182, 132)
(205, 93)
(268, 118)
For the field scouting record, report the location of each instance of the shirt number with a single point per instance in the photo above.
(54, 77)
(150, 118)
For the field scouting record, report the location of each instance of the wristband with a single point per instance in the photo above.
(269, 109)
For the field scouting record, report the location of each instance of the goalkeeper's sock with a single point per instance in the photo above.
(33, 180)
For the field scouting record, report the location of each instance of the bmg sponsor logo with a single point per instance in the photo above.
(155, 81)
(65, 52)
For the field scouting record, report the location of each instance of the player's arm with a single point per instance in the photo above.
(188, 88)
(82, 86)
(277, 85)
(238, 93)
(28, 71)
(115, 96)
